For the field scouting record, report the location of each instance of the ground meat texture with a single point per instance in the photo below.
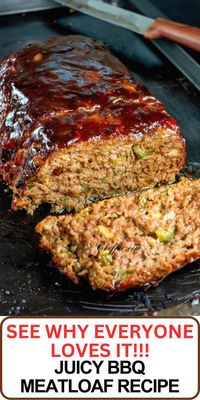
(76, 127)
(128, 241)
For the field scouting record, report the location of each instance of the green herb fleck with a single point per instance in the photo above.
(106, 257)
(141, 153)
(73, 248)
(165, 235)
(125, 273)
(143, 200)
(67, 252)
(113, 217)
(118, 161)
(105, 232)
(84, 212)
(164, 193)
(30, 184)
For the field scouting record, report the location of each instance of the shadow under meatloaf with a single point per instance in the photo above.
(127, 241)
(76, 127)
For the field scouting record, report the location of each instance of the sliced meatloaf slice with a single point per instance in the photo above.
(75, 126)
(129, 240)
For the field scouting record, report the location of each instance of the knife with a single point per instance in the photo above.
(151, 29)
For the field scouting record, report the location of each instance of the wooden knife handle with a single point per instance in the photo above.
(185, 35)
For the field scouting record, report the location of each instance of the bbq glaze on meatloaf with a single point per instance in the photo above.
(129, 240)
(75, 126)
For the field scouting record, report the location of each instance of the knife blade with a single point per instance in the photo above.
(109, 13)
(138, 24)
(10, 7)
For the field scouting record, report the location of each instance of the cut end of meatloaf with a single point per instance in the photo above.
(76, 127)
(75, 177)
(127, 241)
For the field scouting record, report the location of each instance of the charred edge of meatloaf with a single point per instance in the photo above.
(73, 178)
(128, 241)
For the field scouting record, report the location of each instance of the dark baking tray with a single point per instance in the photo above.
(29, 284)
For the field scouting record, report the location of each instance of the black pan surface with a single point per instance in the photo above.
(29, 284)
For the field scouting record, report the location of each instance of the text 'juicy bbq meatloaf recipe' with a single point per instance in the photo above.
(130, 240)
(76, 127)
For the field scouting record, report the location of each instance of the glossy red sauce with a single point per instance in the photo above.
(64, 91)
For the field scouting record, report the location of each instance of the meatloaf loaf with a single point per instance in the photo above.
(75, 126)
(128, 241)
